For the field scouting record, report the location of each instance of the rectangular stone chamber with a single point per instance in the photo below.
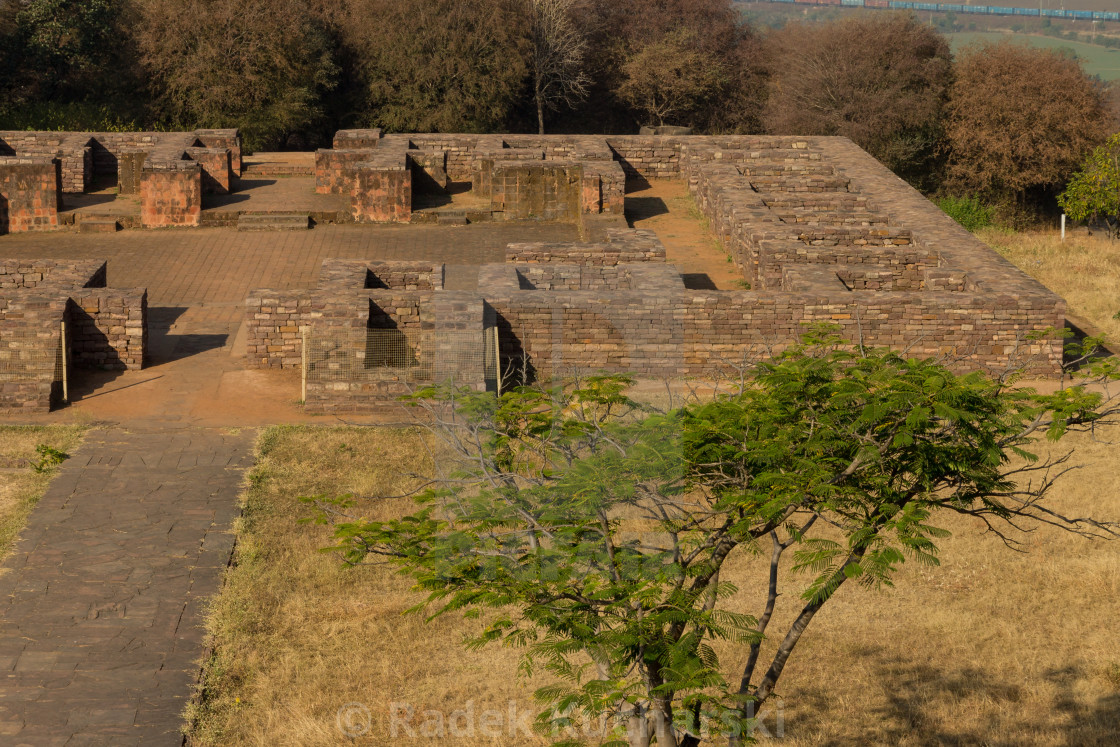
(59, 316)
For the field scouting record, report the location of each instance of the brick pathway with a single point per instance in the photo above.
(102, 601)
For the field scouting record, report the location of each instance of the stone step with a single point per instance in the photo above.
(98, 225)
(452, 218)
(276, 169)
(273, 222)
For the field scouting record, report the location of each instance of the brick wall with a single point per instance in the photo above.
(334, 170)
(31, 273)
(224, 140)
(104, 326)
(701, 332)
(29, 192)
(357, 139)
(350, 275)
(108, 328)
(529, 190)
(273, 319)
(217, 173)
(823, 232)
(429, 170)
(130, 170)
(30, 335)
(171, 194)
(382, 192)
(84, 155)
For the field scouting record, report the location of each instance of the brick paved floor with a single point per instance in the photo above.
(186, 267)
(102, 601)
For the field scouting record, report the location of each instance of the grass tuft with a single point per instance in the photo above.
(29, 456)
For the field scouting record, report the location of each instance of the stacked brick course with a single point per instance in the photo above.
(539, 178)
(171, 194)
(105, 327)
(29, 194)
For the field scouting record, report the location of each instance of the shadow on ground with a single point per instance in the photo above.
(698, 281)
(920, 699)
(240, 186)
(166, 346)
(639, 208)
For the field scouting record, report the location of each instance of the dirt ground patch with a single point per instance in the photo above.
(993, 647)
(666, 208)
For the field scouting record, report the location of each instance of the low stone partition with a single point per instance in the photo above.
(334, 170)
(373, 331)
(429, 171)
(30, 352)
(704, 333)
(356, 139)
(411, 339)
(105, 327)
(530, 173)
(30, 197)
(482, 165)
(224, 140)
(626, 247)
(345, 274)
(532, 190)
(382, 189)
(170, 194)
(215, 167)
(276, 320)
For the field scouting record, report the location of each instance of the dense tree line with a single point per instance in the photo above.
(1006, 123)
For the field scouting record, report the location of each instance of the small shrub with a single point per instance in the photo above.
(49, 458)
(72, 116)
(968, 211)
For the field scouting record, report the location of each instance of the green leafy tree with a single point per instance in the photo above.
(597, 532)
(65, 50)
(262, 65)
(439, 65)
(1094, 192)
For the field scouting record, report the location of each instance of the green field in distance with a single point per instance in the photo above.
(1096, 60)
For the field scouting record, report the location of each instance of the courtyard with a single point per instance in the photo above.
(669, 258)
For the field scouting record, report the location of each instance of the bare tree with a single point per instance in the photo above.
(557, 60)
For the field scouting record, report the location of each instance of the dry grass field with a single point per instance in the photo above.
(20, 485)
(1085, 270)
(993, 647)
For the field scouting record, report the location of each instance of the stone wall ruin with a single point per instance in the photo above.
(169, 171)
(820, 231)
(104, 327)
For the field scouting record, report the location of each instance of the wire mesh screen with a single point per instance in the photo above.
(460, 357)
(31, 355)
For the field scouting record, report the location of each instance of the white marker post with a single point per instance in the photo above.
(1063, 228)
